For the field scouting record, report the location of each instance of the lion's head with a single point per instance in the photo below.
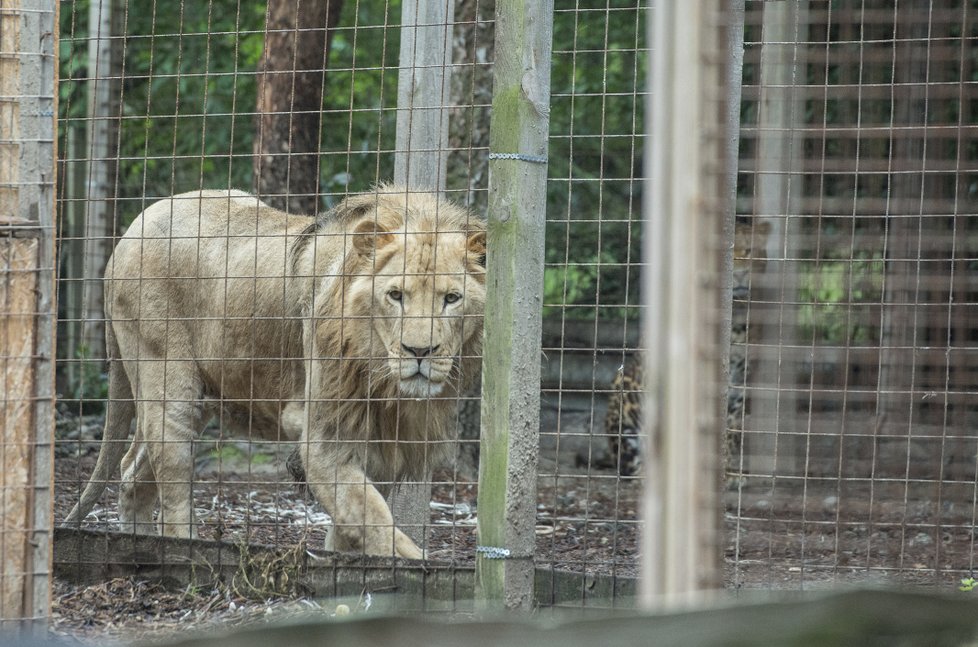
(412, 293)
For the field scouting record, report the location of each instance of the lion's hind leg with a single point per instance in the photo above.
(170, 418)
(120, 411)
(137, 491)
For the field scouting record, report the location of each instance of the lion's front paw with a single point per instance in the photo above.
(405, 547)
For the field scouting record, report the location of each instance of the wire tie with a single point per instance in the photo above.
(535, 159)
(493, 552)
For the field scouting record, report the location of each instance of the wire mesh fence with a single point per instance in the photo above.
(588, 515)
(848, 444)
(306, 108)
(857, 174)
(130, 149)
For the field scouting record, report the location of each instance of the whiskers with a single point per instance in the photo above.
(379, 371)
(455, 377)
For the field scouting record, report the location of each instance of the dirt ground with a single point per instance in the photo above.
(781, 535)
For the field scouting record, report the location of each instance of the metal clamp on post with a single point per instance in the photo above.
(535, 159)
(493, 552)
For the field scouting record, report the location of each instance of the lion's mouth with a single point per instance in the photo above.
(422, 378)
(419, 386)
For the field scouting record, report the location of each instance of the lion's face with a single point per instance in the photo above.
(424, 295)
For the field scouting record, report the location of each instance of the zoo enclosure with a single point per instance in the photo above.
(852, 451)
(172, 111)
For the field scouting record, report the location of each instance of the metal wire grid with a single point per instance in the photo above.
(839, 234)
(589, 512)
(194, 81)
(176, 103)
(858, 164)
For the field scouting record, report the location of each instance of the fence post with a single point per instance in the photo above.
(684, 203)
(424, 93)
(28, 33)
(779, 189)
(511, 354)
(735, 70)
(420, 159)
(104, 61)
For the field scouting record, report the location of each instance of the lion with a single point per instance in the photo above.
(351, 333)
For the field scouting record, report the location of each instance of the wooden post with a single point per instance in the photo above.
(777, 196)
(511, 354)
(735, 71)
(424, 93)
(423, 102)
(103, 101)
(27, 179)
(902, 318)
(684, 202)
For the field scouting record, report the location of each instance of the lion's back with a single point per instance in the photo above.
(202, 275)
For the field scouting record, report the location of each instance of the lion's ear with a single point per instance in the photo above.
(370, 235)
(476, 247)
(354, 207)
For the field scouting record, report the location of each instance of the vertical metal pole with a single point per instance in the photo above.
(683, 221)
(423, 104)
(511, 353)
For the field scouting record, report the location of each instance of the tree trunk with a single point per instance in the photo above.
(291, 81)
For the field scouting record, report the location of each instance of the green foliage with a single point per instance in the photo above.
(90, 384)
(361, 98)
(72, 60)
(189, 92)
(189, 86)
(236, 454)
(596, 126)
(567, 283)
(188, 97)
(968, 584)
(835, 294)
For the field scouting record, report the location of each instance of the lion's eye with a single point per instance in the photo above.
(395, 295)
(452, 297)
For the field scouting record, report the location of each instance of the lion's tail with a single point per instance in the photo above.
(120, 410)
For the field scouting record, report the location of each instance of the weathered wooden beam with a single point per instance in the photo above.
(424, 93)
(18, 282)
(851, 618)
(683, 203)
(9, 111)
(420, 158)
(511, 364)
(28, 34)
(777, 199)
(104, 58)
(87, 557)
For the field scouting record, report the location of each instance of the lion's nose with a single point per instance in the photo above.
(419, 353)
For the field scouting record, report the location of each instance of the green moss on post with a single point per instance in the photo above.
(511, 364)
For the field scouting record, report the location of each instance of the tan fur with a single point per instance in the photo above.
(352, 333)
